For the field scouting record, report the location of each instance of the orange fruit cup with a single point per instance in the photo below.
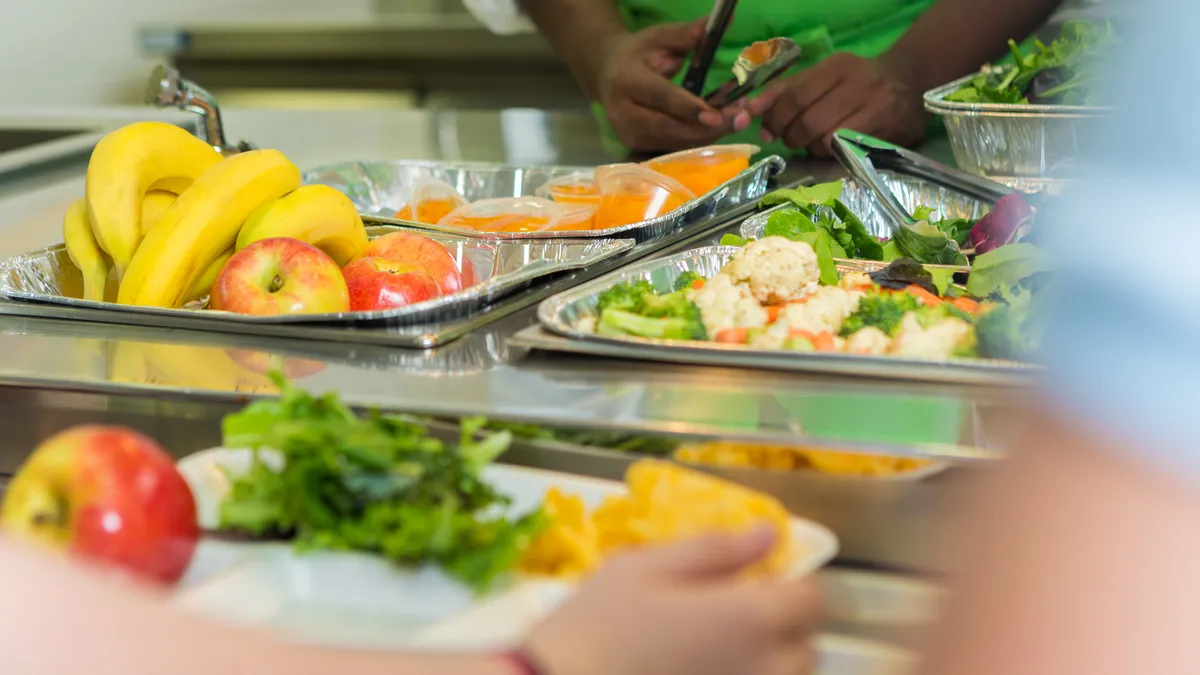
(634, 194)
(574, 189)
(702, 170)
(432, 200)
(505, 214)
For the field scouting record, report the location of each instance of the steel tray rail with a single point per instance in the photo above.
(379, 189)
(561, 314)
(1027, 147)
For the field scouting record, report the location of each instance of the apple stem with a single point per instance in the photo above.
(276, 284)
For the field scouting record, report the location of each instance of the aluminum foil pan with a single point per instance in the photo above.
(1027, 147)
(562, 313)
(502, 267)
(380, 189)
(911, 191)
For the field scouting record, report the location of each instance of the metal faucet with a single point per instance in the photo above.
(166, 89)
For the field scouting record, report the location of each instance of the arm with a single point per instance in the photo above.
(579, 31)
(955, 37)
(59, 619)
(1080, 561)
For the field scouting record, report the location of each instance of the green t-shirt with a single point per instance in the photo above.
(820, 27)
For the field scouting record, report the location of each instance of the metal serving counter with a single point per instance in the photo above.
(176, 384)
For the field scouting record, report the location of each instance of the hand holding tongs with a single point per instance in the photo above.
(757, 65)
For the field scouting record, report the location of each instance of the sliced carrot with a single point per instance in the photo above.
(821, 342)
(698, 284)
(928, 299)
(773, 312)
(734, 336)
(966, 304)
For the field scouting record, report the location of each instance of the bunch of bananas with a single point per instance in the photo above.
(163, 212)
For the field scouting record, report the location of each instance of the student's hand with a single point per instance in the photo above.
(647, 111)
(871, 96)
(682, 610)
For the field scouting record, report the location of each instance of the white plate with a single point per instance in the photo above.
(359, 600)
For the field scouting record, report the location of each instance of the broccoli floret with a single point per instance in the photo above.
(627, 296)
(621, 322)
(881, 310)
(686, 280)
(676, 305)
(1006, 330)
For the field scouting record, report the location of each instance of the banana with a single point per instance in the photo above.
(154, 205)
(316, 214)
(125, 165)
(204, 284)
(85, 252)
(190, 366)
(201, 224)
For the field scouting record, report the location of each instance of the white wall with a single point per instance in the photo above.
(67, 52)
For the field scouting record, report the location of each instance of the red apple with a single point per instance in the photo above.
(280, 276)
(412, 247)
(108, 495)
(261, 363)
(378, 283)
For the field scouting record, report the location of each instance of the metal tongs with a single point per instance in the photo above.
(718, 22)
(757, 65)
(863, 156)
(166, 89)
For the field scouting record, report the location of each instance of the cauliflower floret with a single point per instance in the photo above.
(777, 269)
(725, 304)
(823, 311)
(855, 281)
(935, 342)
(869, 341)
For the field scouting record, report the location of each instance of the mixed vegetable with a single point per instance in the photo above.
(1061, 73)
(773, 294)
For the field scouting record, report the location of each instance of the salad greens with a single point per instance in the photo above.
(378, 484)
(836, 218)
(1010, 330)
(1061, 73)
(1005, 268)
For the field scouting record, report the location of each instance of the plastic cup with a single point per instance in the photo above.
(704, 169)
(577, 218)
(635, 194)
(432, 200)
(574, 189)
(505, 214)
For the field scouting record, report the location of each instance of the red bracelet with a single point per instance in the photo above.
(521, 663)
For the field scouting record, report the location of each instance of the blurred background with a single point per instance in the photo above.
(285, 54)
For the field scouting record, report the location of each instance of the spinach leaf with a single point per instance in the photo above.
(925, 243)
(904, 273)
(1004, 268)
(788, 223)
(826, 249)
(866, 246)
(821, 194)
(731, 239)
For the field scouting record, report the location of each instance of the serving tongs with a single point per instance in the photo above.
(863, 156)
(755, 66)
(718, 22)
(167, 89)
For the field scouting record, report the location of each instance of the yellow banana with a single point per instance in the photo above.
(154, 205)
(204, 284)
(124, 166)
(316, 214)
(85, 252)
(201, 224)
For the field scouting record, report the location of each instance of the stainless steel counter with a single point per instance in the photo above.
(177, 384)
